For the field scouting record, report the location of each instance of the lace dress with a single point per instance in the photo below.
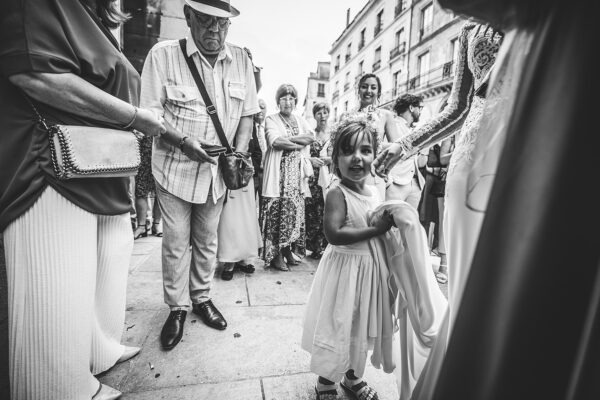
(477, 53)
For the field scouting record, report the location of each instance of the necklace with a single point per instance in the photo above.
(293, 128)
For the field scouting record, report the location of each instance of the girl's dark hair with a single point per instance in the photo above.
(347, 134)
(110, 13)
(320, 106)
(367, 76)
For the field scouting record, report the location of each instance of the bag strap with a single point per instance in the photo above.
(210, 108)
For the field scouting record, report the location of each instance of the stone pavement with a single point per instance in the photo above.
(258, 356)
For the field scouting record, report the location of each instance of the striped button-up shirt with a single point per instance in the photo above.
(168, 88)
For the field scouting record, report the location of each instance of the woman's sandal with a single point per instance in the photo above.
(329, 394)
(155, 229)
(140, 231)
(360, 391)
(247, 269)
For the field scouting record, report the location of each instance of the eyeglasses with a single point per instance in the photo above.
(209, 20)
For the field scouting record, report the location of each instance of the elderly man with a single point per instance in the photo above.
(190, 186)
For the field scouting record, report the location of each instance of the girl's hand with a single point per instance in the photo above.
(384, 223)
(148, 123)
(316, 162)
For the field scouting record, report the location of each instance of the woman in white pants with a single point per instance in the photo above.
(67, 243)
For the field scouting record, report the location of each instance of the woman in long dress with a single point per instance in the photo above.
(285, 182)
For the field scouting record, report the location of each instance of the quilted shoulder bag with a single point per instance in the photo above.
(90, 152)
(236, 166)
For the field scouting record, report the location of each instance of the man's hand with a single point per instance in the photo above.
(386, 160)
(193, 150)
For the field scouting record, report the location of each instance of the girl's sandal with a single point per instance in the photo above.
(360, 391)
(330, 394)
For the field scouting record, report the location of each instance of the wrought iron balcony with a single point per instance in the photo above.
(336, 94)
(336, 68)
(361, 44)
(348, 55)
(376, 65)
(448, 70)
(396, 51)
(320, 94)
(346, 86)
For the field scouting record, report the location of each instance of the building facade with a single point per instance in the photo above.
(409, 44)
(317, 89)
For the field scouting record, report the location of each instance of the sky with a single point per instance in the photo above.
(287, 38)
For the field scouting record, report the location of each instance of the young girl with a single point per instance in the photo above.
(341, 311)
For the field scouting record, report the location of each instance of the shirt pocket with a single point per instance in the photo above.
(237, 90)
(182, 94)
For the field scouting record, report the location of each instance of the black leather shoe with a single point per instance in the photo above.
(172, 330)
(210, 315)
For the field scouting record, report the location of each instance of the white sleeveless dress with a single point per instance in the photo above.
(341, 322)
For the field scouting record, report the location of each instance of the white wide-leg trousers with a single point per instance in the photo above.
(67, 278)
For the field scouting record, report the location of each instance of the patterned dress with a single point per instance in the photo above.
(315, 238)
(282, 218)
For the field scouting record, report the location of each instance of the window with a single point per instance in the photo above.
(400, 6)
(346, 105)
(361, 42)
(321, 90)
(335, 113)
(360, 68)
(399, 44)
(427, 20)
(379, 23)
(347, 81)
(348, 51)
(396, 83)
(337, 64)
(377, 59)
(423, 67)
(454, 49)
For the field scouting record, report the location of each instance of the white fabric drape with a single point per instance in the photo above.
(67, 277)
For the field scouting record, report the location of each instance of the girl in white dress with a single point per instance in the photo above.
(343, 319)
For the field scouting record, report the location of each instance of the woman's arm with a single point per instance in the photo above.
(445, 151)
(282, 143)
(391, 129)
(303, 140)
(73, 94)
(334, 217)
(451, 119)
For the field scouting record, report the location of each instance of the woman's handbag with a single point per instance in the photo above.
(90, 152)
(236, 166)
(438, 184)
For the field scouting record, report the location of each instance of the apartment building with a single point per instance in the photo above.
(408, 44)
(317, 89)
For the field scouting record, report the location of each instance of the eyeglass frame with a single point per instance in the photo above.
(222, 23)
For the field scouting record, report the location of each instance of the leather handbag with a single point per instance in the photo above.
(236, 166)
(90, 152)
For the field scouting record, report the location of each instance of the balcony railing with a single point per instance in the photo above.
(436, 76)
(376, 65)
(347, 58)
(396, 51)
(378, 29)
(448, 71)
(425, 31)
(320, 94)
(361, 44)
(336, 94)
(346, 86)
(336, 68)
